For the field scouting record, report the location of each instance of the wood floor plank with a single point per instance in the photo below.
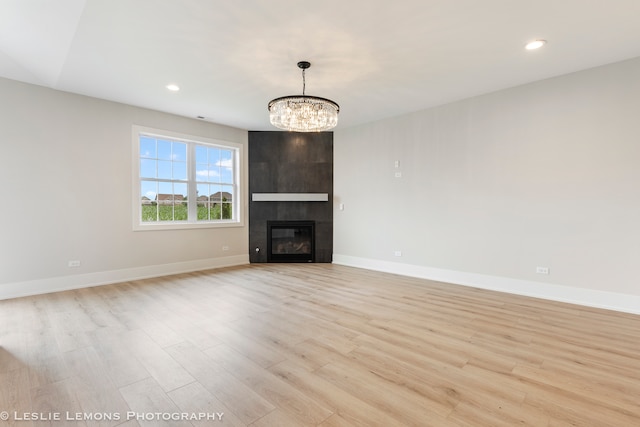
(291, 401)
(118, 358)
(92, 387)
(43, 357)
(241, 400)
(15, 394)
(56, 400)
(576, 410)
(278, 418)
(410, 406)
(194, 399)
(508, 414)
(618, 395)
(161, 366)
(249, 346)
(149, 404)
(348, 409)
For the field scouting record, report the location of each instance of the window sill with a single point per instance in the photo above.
(186, 226)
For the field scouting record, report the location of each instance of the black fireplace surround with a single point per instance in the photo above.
(290, 163)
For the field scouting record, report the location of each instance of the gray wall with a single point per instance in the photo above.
(495, 186)
(291, 162)
(66, 173)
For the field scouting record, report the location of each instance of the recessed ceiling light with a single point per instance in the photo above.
(173, 88)
(536, 44)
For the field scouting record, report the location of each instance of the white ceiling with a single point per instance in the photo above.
(376, 58)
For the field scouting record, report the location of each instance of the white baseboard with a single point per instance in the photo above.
(586, 297)
(65, 283)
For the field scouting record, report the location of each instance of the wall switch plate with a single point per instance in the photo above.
(397, 253)
(398, 175)
(74, 263)
(225, 248)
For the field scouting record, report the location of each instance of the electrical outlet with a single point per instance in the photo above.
(397, 253)
(74, 263)
(398, 175)
(542, 270)
(225, 248)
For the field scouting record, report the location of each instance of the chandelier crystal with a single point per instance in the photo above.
(302, 113)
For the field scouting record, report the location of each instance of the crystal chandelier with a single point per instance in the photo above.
(302, 113)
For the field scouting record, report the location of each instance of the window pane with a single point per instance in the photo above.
(226, 158)
(203, 202)
(226, 175)
(165, 188)
(214, 155)
(148, 190)
(148, 168)
(203, 213)
(201, 154)
(201, 172)
(206, 172)
(216, 199)
(215, 212)
(214, 173)
(202, 190)
(227, 211)
(180, 192)
(227, 192)
(180, 211)
(165, 212)
(215, 193)
(149, 209)
(179, 170)
(149, 212)
(165, 201)
(164, 169)
(179, 152)
(164, 150)
(147, 147)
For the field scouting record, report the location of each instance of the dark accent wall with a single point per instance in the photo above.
(290, 162)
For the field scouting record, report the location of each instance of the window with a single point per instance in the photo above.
(184, 182)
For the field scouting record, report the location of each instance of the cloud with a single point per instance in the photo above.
(208, 173)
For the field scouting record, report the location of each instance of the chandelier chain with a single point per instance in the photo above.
(304, 82)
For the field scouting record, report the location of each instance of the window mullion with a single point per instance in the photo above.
(192, 187)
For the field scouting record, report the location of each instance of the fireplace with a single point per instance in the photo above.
(291, 241)
(290, 179)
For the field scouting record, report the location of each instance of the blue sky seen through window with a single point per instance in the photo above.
(162, 159)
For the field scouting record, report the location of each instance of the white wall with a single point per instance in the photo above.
(545, 174)
(65, 171)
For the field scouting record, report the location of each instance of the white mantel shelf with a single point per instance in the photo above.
(290, 197)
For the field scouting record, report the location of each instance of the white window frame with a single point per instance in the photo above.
(191, 141)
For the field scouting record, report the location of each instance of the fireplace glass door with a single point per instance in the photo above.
(291, 241)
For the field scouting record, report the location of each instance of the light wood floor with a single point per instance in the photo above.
(315, 345)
